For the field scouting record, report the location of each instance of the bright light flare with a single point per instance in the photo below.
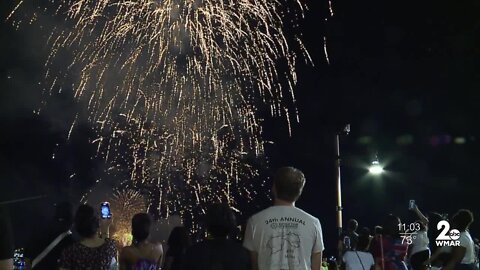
(375, 168)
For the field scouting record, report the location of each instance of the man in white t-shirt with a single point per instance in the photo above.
(463, 257)
(284, 237)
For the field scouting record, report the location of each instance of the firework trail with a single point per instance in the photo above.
(174, 88)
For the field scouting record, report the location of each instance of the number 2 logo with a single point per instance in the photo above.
(446, 233)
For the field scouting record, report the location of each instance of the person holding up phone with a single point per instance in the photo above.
(420, 251)
(106, 221)
(105, 210)
(93, 251)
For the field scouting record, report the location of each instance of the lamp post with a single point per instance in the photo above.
(345, 131)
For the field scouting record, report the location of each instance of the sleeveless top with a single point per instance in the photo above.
(142, 263)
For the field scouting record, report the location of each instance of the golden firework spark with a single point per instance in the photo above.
(173, 88)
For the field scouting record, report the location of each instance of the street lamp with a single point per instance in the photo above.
(375, 168)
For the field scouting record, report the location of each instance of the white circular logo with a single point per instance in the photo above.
(454, 234)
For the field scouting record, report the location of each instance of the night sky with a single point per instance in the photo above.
(404, 74)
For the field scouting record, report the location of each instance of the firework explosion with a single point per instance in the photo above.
(174, 89)
(124, 205)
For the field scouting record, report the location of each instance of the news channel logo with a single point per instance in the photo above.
(447, 237)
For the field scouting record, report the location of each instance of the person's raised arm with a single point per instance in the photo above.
(420, 215)
(105, 228)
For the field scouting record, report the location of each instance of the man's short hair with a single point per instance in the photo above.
(462, 219)
(288, 183)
